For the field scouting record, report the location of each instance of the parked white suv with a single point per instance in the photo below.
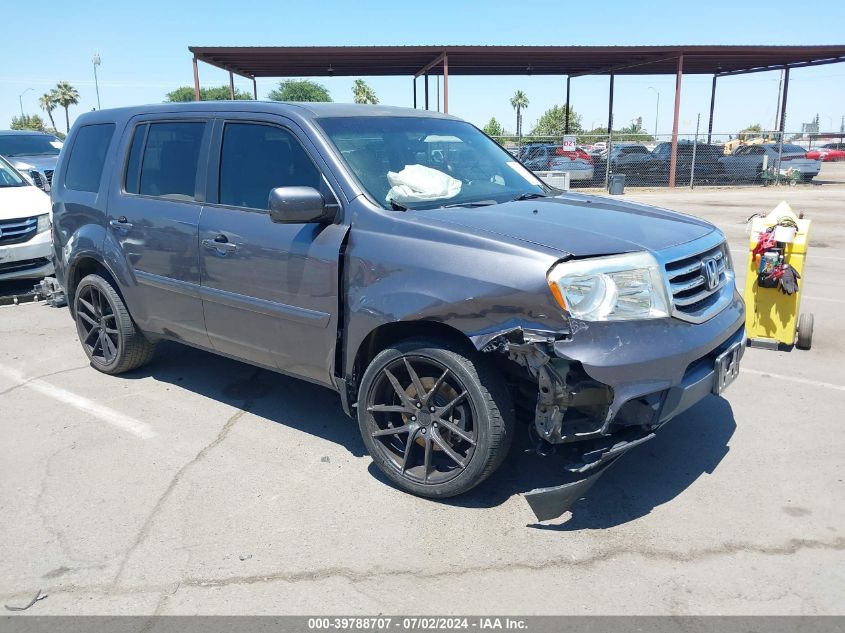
(25, 246)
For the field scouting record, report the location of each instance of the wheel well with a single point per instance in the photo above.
(386, 335)
(84, 267)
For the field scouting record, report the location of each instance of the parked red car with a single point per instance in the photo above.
(827, 153)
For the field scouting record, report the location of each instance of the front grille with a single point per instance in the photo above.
(49, 174)
(36, 179)
(693, 298)
(15, 231)
(23, 264)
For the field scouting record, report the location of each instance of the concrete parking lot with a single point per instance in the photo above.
(202, 485)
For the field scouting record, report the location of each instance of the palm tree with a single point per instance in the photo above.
(66, 96)
(362, 93)
(47, 101)
(519, 101)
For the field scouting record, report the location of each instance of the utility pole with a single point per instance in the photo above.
(96, 61)
(656, 110)
(20, 99)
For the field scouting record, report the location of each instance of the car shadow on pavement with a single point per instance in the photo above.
(295, 403)
(646, 477)
(649, 475)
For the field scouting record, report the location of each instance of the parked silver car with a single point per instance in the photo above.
(746, 162)
(32, 153)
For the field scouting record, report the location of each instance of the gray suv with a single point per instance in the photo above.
(405, 260)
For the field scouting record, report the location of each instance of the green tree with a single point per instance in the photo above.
(553, 122)
(66, 96)
(754, 127)
(214, 93)
(47, 102)
(363, 93)
(27, 122)
(494, 128)
(299, 90)
(519, 101)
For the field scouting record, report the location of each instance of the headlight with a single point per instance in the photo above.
(616, 288)
(43, 223)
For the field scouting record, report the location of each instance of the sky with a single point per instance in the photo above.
(144, 53)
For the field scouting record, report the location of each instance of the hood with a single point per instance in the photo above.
(22, 202)
(577, 224)
(25, 162)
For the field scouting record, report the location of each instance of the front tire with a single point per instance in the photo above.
(436, 419)
(106, 331)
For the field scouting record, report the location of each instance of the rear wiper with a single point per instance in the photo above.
(529, 195)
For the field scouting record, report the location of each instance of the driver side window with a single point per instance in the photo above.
(255, 159)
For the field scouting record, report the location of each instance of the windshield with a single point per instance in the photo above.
(424, 163)
(29, 145)
(9, 177)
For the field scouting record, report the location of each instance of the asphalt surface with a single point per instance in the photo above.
(203, 485)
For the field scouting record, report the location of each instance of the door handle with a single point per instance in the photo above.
(120, 223)
(220, 244)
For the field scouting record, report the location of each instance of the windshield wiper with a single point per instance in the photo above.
(477, 203)
(529, 195)
(397, 206)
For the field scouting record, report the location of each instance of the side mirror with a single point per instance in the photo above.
(299, 205)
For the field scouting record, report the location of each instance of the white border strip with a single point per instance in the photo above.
(107, 415)
(801, 381)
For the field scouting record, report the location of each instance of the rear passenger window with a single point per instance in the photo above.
(88, 156)
(257, 158)
(167, 166)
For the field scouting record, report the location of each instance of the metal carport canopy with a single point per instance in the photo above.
(572, 61)
(324, 61)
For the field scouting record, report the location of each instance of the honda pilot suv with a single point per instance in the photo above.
(405, 260)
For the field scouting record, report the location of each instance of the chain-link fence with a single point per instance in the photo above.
(703, 159)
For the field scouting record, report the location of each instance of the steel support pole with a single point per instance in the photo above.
(673, 161)
(782, 122)
(566, 121)
(783, 100)
(446, 84)
(426, 91)
(415, 91)
(609, 131)
(254, 89)
(712, 106)
(196, 81)
(231, 86)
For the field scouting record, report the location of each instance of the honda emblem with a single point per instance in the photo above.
(710, 268)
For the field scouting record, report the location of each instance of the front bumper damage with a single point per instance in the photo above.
(605, 388)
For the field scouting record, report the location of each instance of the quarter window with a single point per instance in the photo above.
(88, 156)
(167, 166)
(257, 158)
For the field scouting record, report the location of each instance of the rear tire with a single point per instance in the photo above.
(805, 331)
(454, 436)
(108, 335)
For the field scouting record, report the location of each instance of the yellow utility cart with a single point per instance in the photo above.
(773, 319)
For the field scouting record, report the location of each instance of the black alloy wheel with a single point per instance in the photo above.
(434, 421)
(96, 321)
(109, 336)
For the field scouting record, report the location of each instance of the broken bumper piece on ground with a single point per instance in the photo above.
(550, 503)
